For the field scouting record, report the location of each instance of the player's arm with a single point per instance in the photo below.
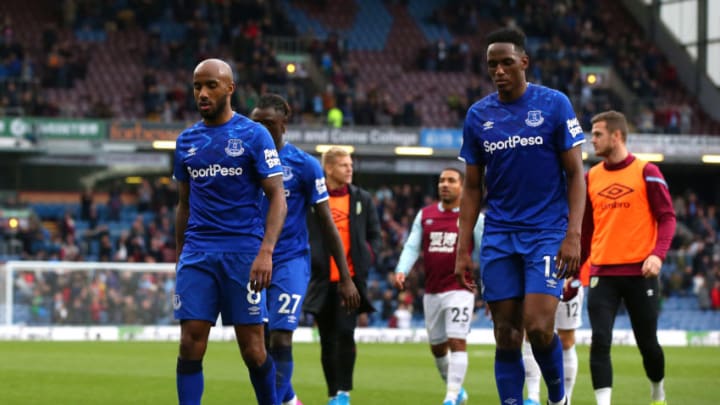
(182, 213)
(331, 236)
(470, 202)
(410, 252)
(662, 209)
(261, 271)
(568, 259)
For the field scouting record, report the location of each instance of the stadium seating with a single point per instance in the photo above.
(383, 39)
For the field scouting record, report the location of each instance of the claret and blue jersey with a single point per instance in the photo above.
(520, 143)
(304, 183)
(224, 166)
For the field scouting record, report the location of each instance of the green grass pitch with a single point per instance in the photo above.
(144, 373)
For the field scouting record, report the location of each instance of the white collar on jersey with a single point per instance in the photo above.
(441, 209)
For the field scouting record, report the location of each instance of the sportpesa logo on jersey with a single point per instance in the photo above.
(214, 170)
(512, 143)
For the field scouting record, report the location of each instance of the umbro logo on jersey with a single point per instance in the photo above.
(192, 150)
(487, 125)
(615, 191)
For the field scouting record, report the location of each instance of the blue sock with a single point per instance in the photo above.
(263, 380)
(550, 361)
(509, 375)
(190, 381)
(282, 355)
(289, 394)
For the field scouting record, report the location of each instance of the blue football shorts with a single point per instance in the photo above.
(208, 284)
(287, 291)
(517, 263)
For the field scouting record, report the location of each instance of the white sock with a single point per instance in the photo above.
(570, 368)
(602, 395)
(457, 367)
(442, 365)
(293, 401)
(343, 392)
(532, 372)
(657, 390)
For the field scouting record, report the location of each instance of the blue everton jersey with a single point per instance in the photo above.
(224, 165)
(304, 186)
(519, 144)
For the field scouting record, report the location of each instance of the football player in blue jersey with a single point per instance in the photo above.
(521, 146)
(222, 165)
(305, 187)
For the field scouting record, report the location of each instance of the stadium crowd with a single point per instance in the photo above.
(564, 38)
(139, 227)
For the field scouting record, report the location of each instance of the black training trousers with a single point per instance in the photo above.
(337, 342)
(641, 298)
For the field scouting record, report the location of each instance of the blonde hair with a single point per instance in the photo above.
(332, 154)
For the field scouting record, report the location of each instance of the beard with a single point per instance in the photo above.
(448, 199)
(602, 152)
(214, 113)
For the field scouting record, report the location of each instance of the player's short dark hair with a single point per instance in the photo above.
(614, 120)
(275, 101)
(456, 170)
(510, 35)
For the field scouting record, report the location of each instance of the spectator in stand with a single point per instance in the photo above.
(715, 295)
(86, 202)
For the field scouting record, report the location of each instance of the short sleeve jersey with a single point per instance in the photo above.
(519, 144)
(304, 186)
(224, 166)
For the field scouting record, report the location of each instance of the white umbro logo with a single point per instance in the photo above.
(650, 293)
(487, 125)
